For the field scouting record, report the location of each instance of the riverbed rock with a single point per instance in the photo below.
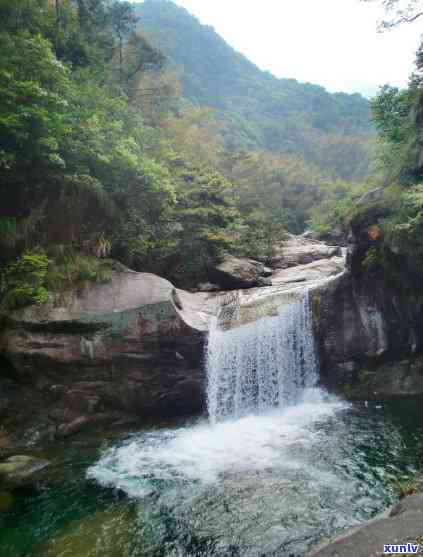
(113, 532)
(301, 250)
(21, 470)
(238, 273)
(132, 346)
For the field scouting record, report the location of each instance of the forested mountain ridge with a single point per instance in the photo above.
(93, 128)
(261, 111)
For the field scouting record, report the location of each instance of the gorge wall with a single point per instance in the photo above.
(369, 332)
(134, 347)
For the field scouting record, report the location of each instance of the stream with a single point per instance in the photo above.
(276, 466)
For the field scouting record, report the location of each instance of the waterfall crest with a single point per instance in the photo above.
(263, 364)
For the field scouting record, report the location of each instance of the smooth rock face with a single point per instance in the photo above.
(131, 347)
(301, 250)
(237, 273)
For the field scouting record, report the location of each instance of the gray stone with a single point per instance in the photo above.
(301, 250)
(238, 273)
(20, 470)
(133, 346)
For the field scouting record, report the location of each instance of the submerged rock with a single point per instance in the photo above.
(112, 532)
(21, 470)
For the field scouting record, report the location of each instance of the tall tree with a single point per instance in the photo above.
(123, 21)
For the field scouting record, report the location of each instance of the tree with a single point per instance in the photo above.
(34, 88)
(123, 20)
(402, 11)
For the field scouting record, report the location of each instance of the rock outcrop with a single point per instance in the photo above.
(301, 250)
(134, 347)
(131, 347)
(363, 323)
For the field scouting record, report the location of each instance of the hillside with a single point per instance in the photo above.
(261, 111)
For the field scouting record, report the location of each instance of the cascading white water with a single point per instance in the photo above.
(263, 364)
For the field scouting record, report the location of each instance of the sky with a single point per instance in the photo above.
(333, 43)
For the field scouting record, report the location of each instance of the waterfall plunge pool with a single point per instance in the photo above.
(278, 465)
(272, 485)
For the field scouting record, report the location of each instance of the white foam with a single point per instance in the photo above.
(207, 452)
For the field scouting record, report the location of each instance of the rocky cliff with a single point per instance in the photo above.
(130, 348)
(133, 348)
(369, 331)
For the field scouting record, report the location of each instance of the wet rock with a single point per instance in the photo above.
(238, 273)
(75, 426)
(391, 380)
(20, 470)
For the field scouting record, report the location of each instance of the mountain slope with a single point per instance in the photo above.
(261, 110)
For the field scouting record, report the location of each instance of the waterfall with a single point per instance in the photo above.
(262, 364)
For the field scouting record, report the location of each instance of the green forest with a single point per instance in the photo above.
(109, 152)
(331, 131)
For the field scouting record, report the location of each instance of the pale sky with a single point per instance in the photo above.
(333, 43)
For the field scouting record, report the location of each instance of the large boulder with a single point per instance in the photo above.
(301, 250)
(130, 347)
(238, 273)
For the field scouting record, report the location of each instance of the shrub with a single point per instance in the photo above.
(24, 281)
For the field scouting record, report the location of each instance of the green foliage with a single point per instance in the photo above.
(33, 111)
(69, 269)
(338, 207)
(398, 116)
(99, 157)
(24, 281)
(205, 215)
(260, 235)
